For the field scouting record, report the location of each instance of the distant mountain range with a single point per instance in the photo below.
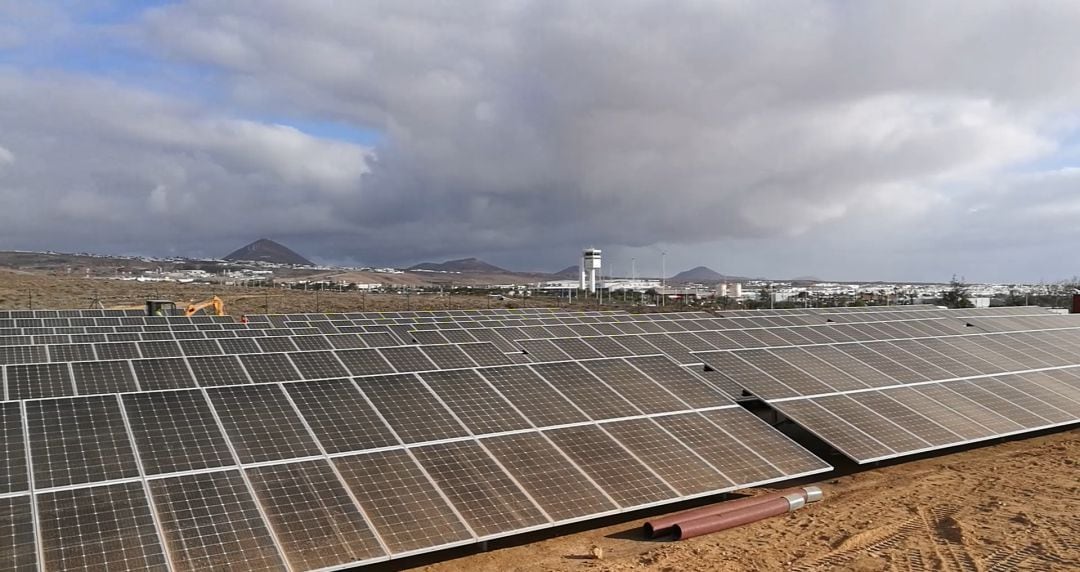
(462, 265)
(568, 273)
(266, 250)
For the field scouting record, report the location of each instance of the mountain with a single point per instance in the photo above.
(266, 250)
(700, 274)
(568, 273)
(462, 265)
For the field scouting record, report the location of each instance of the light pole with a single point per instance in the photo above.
(663, 276)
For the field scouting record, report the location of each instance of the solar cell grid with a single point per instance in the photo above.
(211, 522)
(447, 356)
(820, 370)
(238, 346)
(474, 402)
(842, 435)
(542, 350)
(163, 373)
(72, 352)
(407, 359)
(746, 376)
(83, 529)
(31, 381)
(635, 386)
(735, 461)
(411, 410)
(755, 434)
(576, 348)
(364, 362)
(269, 368)
(175, 431)
(912, 421)
(531, 395)
(318, 365)
(554, 483)
(261, 423)
(401, 501)
(1026, 399)
(13, 475)
(488, 499)
(994, 422)
(159, 349)
(18, 551)
(849, 365)
(616, 471)
(199, 347)
(312, 515)
(340, 417)
(211, 371)
(586, 391)
(678, 465)
(1018, 415)
(673, 349)
(311, 343)
(78, 440)
(93, 377)
(22, 354)
(428, 337)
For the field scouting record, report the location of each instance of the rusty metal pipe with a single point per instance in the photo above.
(739, 517)
(660, 526)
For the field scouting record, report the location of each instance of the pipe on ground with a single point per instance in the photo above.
(660, 526)
(738, 517)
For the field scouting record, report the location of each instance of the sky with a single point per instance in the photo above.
(840, 140)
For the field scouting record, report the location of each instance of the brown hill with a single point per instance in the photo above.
(266, 250)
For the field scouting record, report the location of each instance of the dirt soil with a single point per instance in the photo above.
(1010, 506)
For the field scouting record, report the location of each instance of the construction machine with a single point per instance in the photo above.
(213, 302)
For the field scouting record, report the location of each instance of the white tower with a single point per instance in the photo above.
(722, 290)
(738, 290)
(590, 262)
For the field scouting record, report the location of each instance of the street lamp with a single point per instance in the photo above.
(663, 277)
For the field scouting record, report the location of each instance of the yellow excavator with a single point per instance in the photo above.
(213, 302)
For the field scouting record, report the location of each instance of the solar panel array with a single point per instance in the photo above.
(294, 452)
(319, 441)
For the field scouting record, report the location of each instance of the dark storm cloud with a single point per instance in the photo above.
(524, 130)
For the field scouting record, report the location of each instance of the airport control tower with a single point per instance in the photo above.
(590, 265)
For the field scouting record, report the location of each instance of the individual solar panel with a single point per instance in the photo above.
(447, 357)
(911, 421)
(312, 343)
(13, 476)
(72, 352)
(199, 347)
(576, 348)
(880, 428)
(269, 368)
(1010, 411)
(634, 386)
(163, 373)
(485, 354)
(411, 410)
(78, 440)
(31, 381)
(851, 366)
(617, 472)
(175, 431)
(18, 551)
(836, 379)
(679, 466)
(794, 378)
(239, 346)
(379, 340)
(313, 516)
(160, 349)
(473, 401)
(586, 391)
(211, 522)
(735, 461)
(988, 418)
(542, 350)
(402, 503)
(842, 435)
(489, 500)
(562, 490)
(952, 420)
(407, 359)
(93, 377)
(339, 416)
(745, 376)
(680, 382)
(532, 395)
(365, 362)
(261, 423)
(346, 341)
(318, 365)
(89, 528)
(774, 447)
(22, 354)
(212, 371)
(276, 344)
(1024, 398)
(428, 337)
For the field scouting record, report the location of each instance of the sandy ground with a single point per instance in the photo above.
(1010, 506)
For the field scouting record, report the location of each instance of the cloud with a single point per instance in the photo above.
(525, 130)
(6, 157)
